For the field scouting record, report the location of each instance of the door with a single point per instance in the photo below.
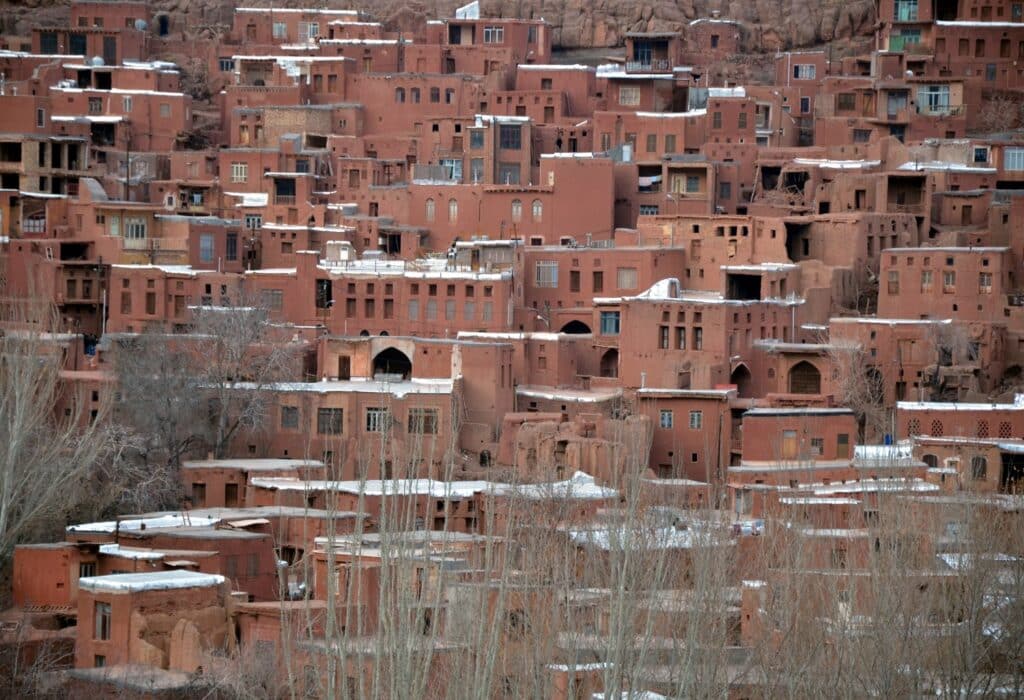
(966, 213)
(110, 50)
(344, 367)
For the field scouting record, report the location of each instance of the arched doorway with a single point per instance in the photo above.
(804, 378)
(610, 363)
(576, 328)
(742, 379)
(392, 363)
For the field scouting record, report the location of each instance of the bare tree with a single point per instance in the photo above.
(51, 447)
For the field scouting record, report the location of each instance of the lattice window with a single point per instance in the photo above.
(1005, 432)
(936, 428)
(914, 427)
(983, 428)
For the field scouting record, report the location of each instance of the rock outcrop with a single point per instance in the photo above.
(577, 24)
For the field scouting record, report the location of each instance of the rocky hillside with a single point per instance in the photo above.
(772, 24)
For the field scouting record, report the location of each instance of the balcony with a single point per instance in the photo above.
(653, 65)
(33, 224)
(285, 199)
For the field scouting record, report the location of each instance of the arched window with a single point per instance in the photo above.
(979, 468)
(538, 210)
(453, 211)
(517, 210)
(804, 378)
(931, 461)
(430, 211)
(400, 95)
(414, 95)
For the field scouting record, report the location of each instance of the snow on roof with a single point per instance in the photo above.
(167, 520)
(738, 91)
(482, 119)
(568, 395)
(118, 91)
(617, 72)
(378, 487)
(250, 199)
(649, 537)
(468, 11)
(297, 10)
(818, 501)
(422, 268)
(92, 119)
(368, 42)
(252, 465)
(568, 155)
(900, 454)
(967, 23)
(761, 267)
(673, 115)
(169, 269)
(554, 66)
(154, 581)
(553, 337)
(891, 321)
(117, 550)
(397, 389)
(712, 20)
(838, 164)
(945, 166)
(1017, 405)
(580, 485)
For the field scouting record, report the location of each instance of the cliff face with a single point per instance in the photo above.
(771, 24)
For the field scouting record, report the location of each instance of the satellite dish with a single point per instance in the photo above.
(141, 25)
(96, 61)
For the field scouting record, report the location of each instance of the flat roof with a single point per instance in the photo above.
(155, 581)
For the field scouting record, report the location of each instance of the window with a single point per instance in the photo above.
(846, 102)
(289, 417)
(400, 95)
(598, 281)
(980, 155)
(476, 169)
(933, 99)
(206, 248)
(546, 273)
(894, 282)
(280, 30)
(984, 282)
(86, 569)
(378, 420)
(165, 110)
(696, 420)
(629, 96)
(805, 71)
(1013, 159)
(716, 120)
(429, 206)
(452, 168)
(842, 446)
(508, 173)
(510, 137)
(652, 143)
(626, 278)
(648, 210)
(253, 221)
(861, 135)
(805, 105)
(414, 309)
(226, 65)
(494, 35)
(979, 468)
(423, 421)
(101, 613)
(741, 122)
(817, 446)
(692, 184)
(537, 209)
(453, 211)
(725, 190)
(239, 172)
(40, 117)
(126, 104)
(517, 210)
(926, 280)
(905, 11)
(231, 246)
(134, 228)
(670, 143)
(949, 281)
(95, 105)
(435, 94)
(476, 139)
(665, 419)
(328, 421)
(609, 323)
